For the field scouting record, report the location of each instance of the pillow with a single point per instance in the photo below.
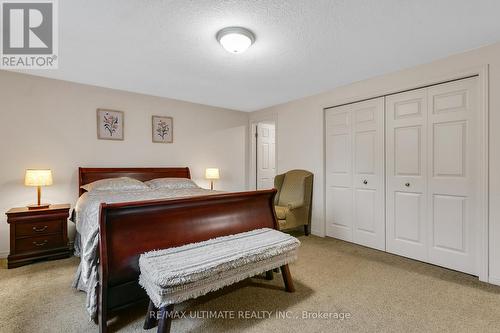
(115, 184)
(171, 183)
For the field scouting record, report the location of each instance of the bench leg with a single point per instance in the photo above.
(151, 316)
(306, 230)
(269, 275)
(165, 320)
(287, 279)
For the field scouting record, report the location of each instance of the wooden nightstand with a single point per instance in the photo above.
(38, 234)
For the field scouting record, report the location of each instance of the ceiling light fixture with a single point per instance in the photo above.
(235, 39)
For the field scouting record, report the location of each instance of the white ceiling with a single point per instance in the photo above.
(303, 47)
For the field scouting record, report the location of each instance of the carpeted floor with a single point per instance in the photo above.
(372, 290)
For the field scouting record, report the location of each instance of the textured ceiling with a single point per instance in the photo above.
(168, 48)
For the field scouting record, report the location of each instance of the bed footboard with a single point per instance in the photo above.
(130, 229)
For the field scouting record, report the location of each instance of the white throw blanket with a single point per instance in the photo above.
(87, 227)
(174, 275)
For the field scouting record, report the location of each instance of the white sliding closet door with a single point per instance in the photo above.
(339, 193)
(355, 173)
(454, 165)
(433, 163)
(406, 168)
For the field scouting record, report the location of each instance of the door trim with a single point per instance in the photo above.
(484, 233)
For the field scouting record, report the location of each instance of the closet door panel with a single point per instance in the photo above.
(355, 173)
(453, 178)
(406, 163)
(338, 166)
(368, 173)
(408, 228)
(339, 212)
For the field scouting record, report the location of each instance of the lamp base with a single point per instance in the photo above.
(41, 206)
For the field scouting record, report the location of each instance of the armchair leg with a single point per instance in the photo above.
(306, 230)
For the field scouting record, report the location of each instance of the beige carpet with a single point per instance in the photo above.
(381, 292)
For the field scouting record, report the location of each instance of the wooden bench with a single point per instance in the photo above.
(177, 274)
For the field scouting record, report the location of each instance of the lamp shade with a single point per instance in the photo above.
(212, 173)
(38, 177)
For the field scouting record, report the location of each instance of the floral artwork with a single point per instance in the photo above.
(109, 124)
(163, 129)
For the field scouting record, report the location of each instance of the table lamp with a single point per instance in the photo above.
(38, 178)
(212, 174)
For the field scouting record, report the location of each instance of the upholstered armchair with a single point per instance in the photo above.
(293, 200)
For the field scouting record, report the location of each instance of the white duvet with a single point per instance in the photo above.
(87, 227)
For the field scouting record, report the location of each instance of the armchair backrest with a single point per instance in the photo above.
(294, 186)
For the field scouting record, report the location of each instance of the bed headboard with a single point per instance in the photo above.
(89, 175)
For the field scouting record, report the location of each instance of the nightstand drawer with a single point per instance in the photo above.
(34, 229)
(39, 243)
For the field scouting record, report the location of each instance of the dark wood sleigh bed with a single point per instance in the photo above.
(130, 229)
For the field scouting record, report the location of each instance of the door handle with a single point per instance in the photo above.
(407, 184)
(41, 244)
(365, 182)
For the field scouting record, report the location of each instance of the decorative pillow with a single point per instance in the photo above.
(115, 184)
(171, 183)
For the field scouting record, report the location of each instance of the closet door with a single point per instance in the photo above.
(368, 173)
(453, 179)
(338, 166)
(406, 176)
(355, 173)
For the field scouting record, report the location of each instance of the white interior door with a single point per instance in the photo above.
(453, 164)
(355, 173)
(433, 163)
(338, 160)
(406, 163)
(368, 173)
(266, 155)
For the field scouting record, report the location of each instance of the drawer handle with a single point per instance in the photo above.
(407, 184)
(365, 182)
(41, 244)
(35, 229)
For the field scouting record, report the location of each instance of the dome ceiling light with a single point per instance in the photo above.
(235, 39)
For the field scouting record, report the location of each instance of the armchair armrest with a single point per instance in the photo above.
(295, 204)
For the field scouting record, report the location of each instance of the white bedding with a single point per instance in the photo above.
(87, 227)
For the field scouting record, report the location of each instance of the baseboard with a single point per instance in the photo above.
(494, 280)
(317, 232)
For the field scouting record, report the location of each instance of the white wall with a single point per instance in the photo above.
(300, 127)
(47, 123)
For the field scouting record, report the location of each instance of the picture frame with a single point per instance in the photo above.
(162, 129)
(110, 124)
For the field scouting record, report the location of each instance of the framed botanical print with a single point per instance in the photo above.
(110, 124)
(163, 129)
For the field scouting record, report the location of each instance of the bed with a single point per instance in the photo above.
(114, 229)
